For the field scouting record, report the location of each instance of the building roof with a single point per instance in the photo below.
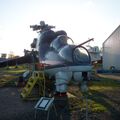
(112, 33)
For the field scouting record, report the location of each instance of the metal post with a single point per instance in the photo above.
(48, 114)
(35, 114)
(86, 107)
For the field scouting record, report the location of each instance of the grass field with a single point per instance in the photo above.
(103, 97)
(8, 75)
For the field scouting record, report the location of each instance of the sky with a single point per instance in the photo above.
(81, 19)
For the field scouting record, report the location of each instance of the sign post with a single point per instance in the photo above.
(44, 104)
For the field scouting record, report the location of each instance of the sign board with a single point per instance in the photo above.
(44, 103)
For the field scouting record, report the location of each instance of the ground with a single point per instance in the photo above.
(12, 107)
(103, 97)
(103, 100)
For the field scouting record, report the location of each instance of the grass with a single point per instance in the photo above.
(13, 70)
(93, 106)
(103, 96)
(105, 83)
(8, 75)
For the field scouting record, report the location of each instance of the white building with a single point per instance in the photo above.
(111, 50)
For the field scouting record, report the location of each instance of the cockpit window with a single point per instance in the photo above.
(59, 42)
(66, 53)
(44, 41)
(77, 55)
(81, 55)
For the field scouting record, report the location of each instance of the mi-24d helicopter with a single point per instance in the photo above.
(61, 58)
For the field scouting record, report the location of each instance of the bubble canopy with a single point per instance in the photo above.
(56, 49)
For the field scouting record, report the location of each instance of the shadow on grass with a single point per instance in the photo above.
(106, 102)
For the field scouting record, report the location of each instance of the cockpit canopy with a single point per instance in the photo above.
(59, 42)
(54, 46)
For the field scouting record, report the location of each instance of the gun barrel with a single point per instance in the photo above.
(31, 26)
(35, 27)
(86, 42)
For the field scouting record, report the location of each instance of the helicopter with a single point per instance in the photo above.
(64, 61)
(61, 58)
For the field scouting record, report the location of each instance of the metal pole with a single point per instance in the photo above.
(86, 107)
